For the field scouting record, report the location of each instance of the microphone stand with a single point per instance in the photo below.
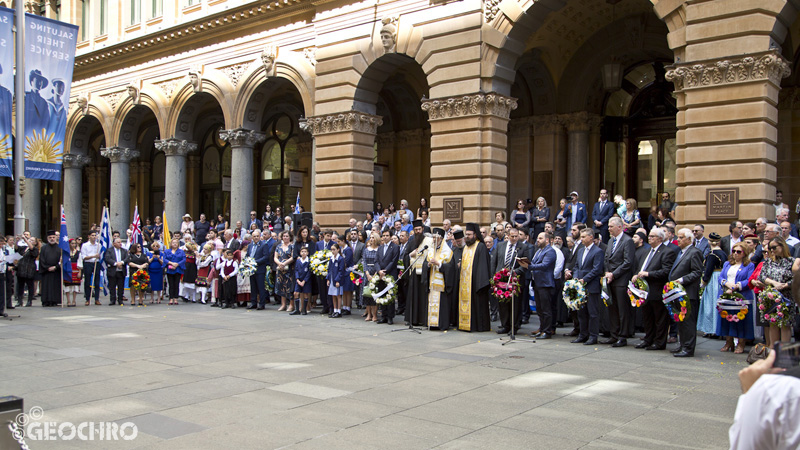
(410, 305)
(512, 337)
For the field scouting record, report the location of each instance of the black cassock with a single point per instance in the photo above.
(452, 280)
(416, 295)
(481, 277)
(50, 256)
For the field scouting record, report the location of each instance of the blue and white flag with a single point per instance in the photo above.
(6, 89)
(297, 209)
(105, 238)
(49, 60)
(63, 242)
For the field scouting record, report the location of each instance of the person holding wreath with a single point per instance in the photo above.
(734, 278)
(137, 261)
(688, 270)
(505, 257)
(777, 273)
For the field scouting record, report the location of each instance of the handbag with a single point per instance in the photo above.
(758, 352)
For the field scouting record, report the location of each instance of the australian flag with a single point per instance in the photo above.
(63, 242)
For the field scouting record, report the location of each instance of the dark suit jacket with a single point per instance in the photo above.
(499, 255)
(387, 259)
(704, 246)
(690, 268)
(111, 259)
(602, 214)
(259, 224)
(357, 251)
(234, 244)
(620, 263)
(725, 244)
(591, 269)
(542, 267)
(572, 257)
(261, 256)
(658, 270)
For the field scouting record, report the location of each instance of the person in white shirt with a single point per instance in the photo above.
(768, 411)
(90, 257)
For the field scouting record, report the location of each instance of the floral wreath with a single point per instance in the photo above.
(604, 294)
(269, 279)
(774, 308)
(505, 285)
(357, 274)
(574, 294)
(637, 292)
(378, 286)
(676, 301)
(732, 306)
(319, 262)
(140, 279)
(248, 267)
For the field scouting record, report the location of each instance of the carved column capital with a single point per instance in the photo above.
(409, 138)
(119, 154)
(175, 147)
(761, 66)
(242, 137)
(521, 126)
(580, 121)
(491, 104)
(74, 161)
(347, 121)
(549, 124)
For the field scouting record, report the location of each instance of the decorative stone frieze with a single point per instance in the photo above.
(74, 161)
(409, 138)
(175, 147)
(119, 154)
(770, 66)
(549, 124)
(490, 9)
(334, 123)
(470, 105)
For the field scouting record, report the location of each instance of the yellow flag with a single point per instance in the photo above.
(166, 237)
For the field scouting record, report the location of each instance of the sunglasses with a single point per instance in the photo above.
(737, 251)
(774, 247)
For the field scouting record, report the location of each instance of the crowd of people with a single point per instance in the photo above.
(392, 262)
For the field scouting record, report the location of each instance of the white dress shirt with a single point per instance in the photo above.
(767, 415)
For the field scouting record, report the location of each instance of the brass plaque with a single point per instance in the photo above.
(454, 209)
(722, 203)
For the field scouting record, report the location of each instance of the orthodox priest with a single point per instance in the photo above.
(417, 293)
(50, 268)
(435, 271)
(473, 292)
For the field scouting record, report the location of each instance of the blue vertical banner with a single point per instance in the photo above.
(49, 60)
(6, 88)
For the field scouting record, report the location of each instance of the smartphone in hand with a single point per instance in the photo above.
(787, 356)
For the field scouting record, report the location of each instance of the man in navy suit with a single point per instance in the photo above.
(388, 253)
(687, 270)
(588, 270)
(619, 261)
(576, 211)
(655, 270)
(258, 250)
(602, 211)
(505, 258)
(255, 220)
(700, 242)
(542, 269)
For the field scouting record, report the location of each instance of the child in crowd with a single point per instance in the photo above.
(228, 269)
(205, 265)
(190, 273)
(336, 271)
(302, 287)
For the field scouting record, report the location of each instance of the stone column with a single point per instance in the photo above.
(578, 127)
(343, 158)
(242, 142)
(120, 204)
(468, 154)
(727, 135)
(32, 203)
(73, 191)
(175, 151)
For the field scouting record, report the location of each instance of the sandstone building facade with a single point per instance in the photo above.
(227, 105)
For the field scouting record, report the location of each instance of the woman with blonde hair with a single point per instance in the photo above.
(777, 273)
(370, 259)
(735, 277)
(631, 217)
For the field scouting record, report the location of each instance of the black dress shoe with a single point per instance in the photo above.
(346, 312)
(251, 307)
(683, 354)
(676, 350)
(261, 308)
(620, 343)
(642, 344)
(336, 315)
(572, 333)
(608, 341)
(325, 311)
(656, 347)
(592, 341)
(296, 312)
(383, 320)
(578, 340)
(502, 330)
(390, 321)
(545, 336)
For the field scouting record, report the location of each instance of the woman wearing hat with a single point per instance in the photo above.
(187, 226)
(708, 317)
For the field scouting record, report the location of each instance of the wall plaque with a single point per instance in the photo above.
(454, 209)
(722, 203)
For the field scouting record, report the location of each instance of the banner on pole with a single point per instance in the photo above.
(6, 89)
(49, 60)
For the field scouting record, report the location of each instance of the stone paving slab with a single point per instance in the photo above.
(194, 377)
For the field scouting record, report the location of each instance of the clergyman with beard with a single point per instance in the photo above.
(473, 295)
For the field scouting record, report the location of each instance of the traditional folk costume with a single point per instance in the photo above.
(189, 278)
(205, 275)
(228, 268)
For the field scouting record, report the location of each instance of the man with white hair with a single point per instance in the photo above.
(687, 270)
(404, 207)
(782, 215)
(259, 251)
(654, 268)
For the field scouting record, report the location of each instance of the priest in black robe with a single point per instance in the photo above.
(473, 295)
(452, 276)
(417, 292)
(50, 268)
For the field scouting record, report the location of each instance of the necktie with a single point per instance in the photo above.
(614, 245)
(674, 265)
(647, 260)
(536, 256)
(509, 256)
(585, 252)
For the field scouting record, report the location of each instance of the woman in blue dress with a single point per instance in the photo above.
(156, 269)
(284, 278)
(735, 277)
(370, 259)
(175, 260)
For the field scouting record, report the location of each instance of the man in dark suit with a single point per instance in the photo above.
(619, 260)
(688, 270)
(505, 258)
(655, 270)
(258, 250)
(387, 265)
(541, 270)
(255, 220)
(736, 236)
(356, 245)
(569, 265)
(116, 259)
(405, 249)
(601, 213)
(700, 242)
(231, 243)
(588, 270)
(576, 211)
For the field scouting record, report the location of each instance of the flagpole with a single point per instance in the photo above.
(19, 142)
(63, 294)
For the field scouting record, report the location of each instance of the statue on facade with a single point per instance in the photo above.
(268, 57)
(389, 33)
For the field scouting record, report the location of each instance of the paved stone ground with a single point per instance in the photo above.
(194, 377)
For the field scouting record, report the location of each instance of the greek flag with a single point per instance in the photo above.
(105, 237)
(297, 204)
